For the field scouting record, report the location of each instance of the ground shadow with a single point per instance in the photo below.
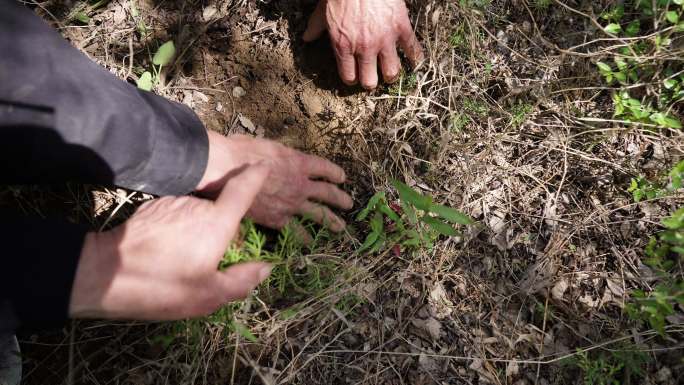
(316, 59)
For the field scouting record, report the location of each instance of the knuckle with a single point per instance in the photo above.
(344, 46)
(365, 44)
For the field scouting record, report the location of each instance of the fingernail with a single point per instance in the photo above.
(265, 271)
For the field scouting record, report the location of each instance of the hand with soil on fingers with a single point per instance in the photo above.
(297, 184)
(162, 263)
(363, 33)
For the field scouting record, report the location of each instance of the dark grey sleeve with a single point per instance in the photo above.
(63, 117)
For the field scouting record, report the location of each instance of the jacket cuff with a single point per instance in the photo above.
(180, 151)
(39, 271)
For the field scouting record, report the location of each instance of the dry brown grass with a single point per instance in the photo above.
(508, 121)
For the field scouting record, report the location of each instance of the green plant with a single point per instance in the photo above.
(519, 114)
(407, 83)
(459, 121)
(416, 222)
(542, 5)
(641, 187)
(612, 367)
(662, 252)
(300, 270)
(82, 10)
(475, 3)
(650, 79)
(297, 274)
(161, 58)
(472, 110)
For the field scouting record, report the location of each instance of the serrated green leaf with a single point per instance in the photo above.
(370, 206)
(164, 54)
(145, 81)
(244, 331)
(378, 243)
(371, 238)
(385, 209)
(377, 223)
(410, 212)
(409, 195)
(451, 215)
(439, 226)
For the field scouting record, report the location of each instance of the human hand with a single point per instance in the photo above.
(162, 263)
(363, 32)
(289, 189)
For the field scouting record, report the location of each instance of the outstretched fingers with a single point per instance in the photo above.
(329, 194)
(410, 44)
(317, 167)
(322, 215)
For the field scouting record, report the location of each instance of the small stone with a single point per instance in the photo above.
(200, 96)
(209, 13)
(239, 92)
(219, 107)
(246, 123)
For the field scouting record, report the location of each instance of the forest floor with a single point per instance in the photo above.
(508, 120)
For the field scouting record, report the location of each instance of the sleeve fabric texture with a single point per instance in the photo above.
(65, 118)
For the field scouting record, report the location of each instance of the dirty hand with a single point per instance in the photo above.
(297, 184)
(161, 264)
(363, 32)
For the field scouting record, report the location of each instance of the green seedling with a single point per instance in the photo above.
(641, 188)
(615, 367)
(542, 5)
(519, 114)
(416, 222)
(300, 270)
(407, 82)
(82, 11)
(162, 57)
(644, 61)
(664, 251)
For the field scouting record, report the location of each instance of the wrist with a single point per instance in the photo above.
(93, 276)
(221, 157)
(227, 156)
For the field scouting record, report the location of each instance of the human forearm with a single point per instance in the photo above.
(63, 117)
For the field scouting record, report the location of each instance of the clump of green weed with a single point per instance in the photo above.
(414, 223)
(641, 187)
(614, 367)
(478, 4)
(472, 110)
(664, 251)
(407, 82)
(162, 57)
(296, 272)
(519, 114)
(650, 76)
(541, 5)
(82, 10)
